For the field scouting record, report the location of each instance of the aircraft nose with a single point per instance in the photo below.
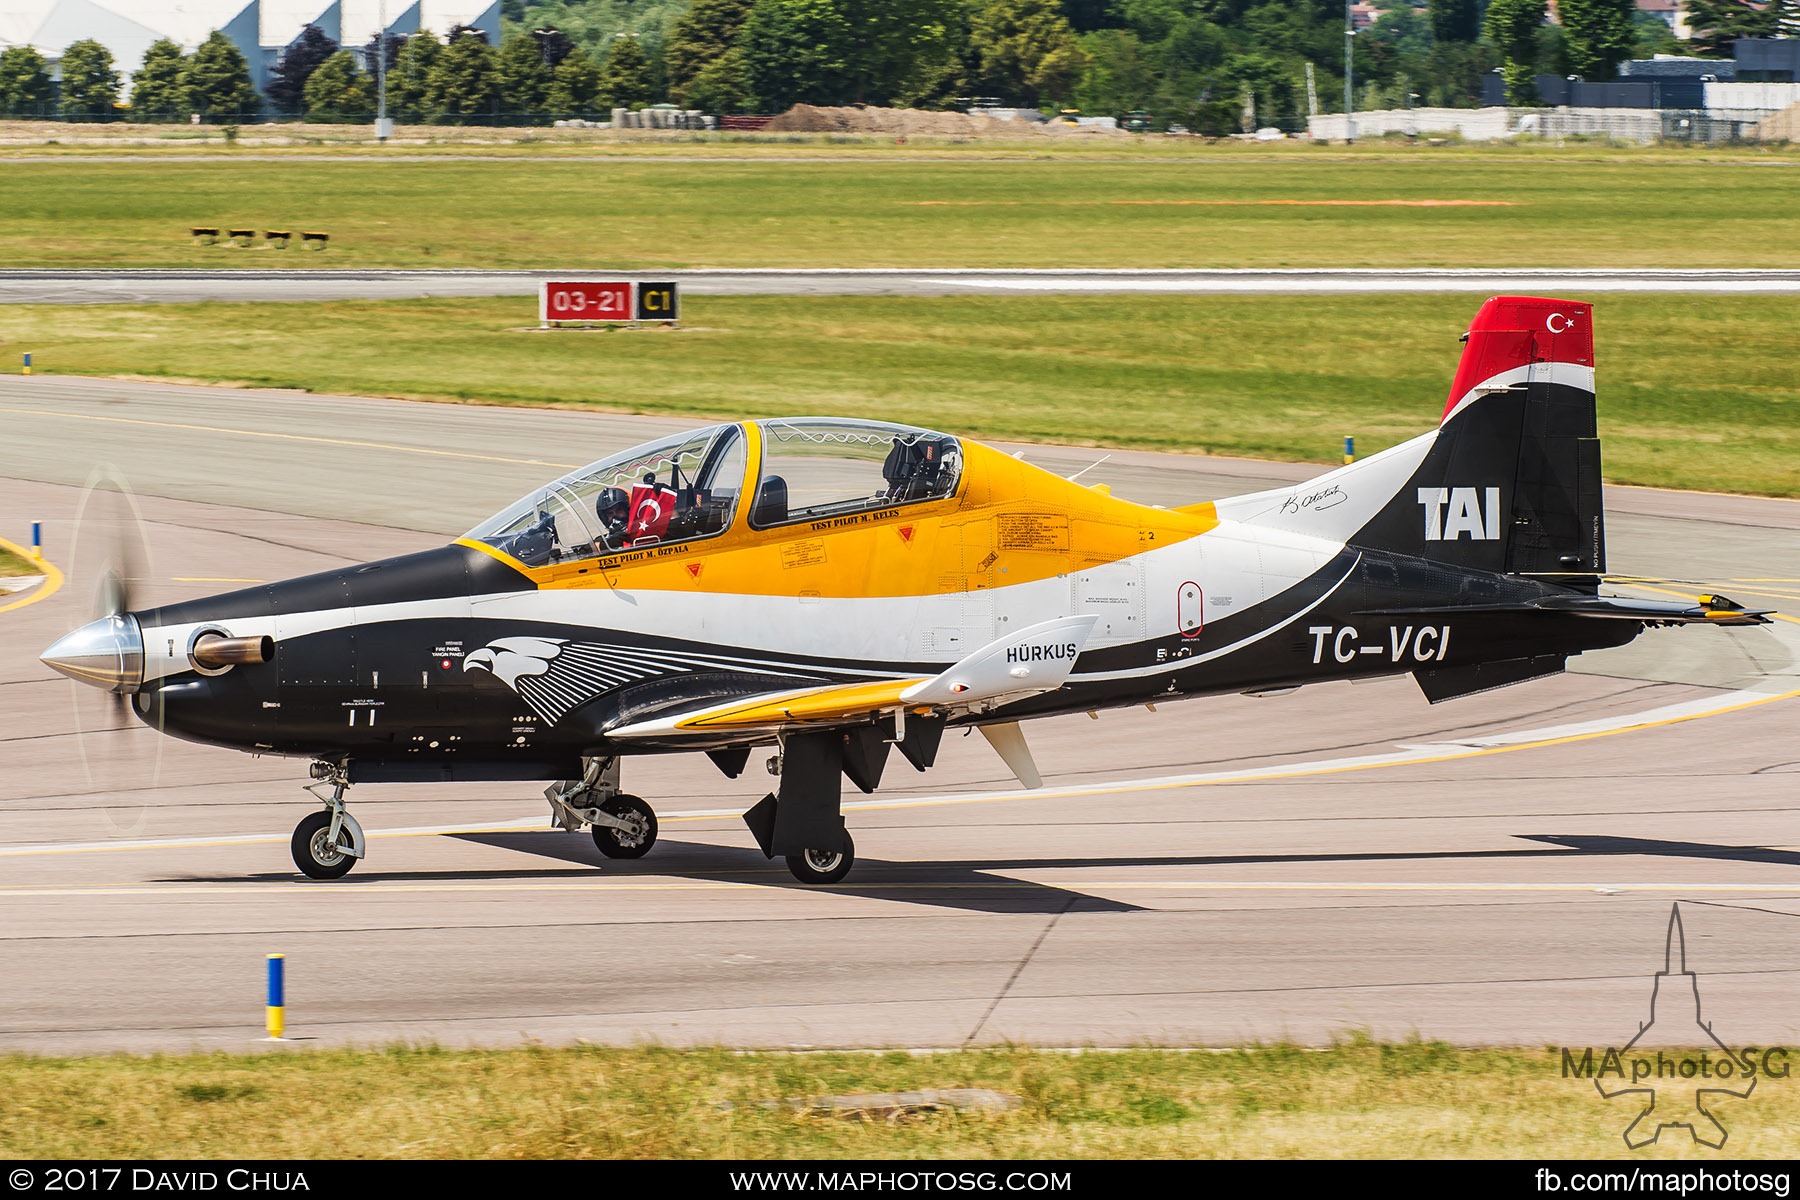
(107, 654)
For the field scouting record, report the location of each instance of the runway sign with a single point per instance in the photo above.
(585, 300)
(657, 302)
(606, 300)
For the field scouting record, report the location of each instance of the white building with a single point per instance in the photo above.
(261, 29)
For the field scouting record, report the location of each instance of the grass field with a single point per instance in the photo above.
(1695, 392)
(1359, 1099)
(12, 564)
(1209, 207)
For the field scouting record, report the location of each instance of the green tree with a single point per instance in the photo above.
(1455, 20)
(90, 86)
(1716, 24)
(159, 87)
(1027, 49)
(1454, 73)
(1599, 33)
(409, 83)
(1653, 37)
(1512, 26)
(796, 52)
(1120, 76)
(625, 79)
(286, 88)
(26, 89)
(722, 86)
(524, 78)
(339, 91)
(1405, 30)
(1151, 20)
(573, 85)
(893, 44)
(1278, 97)
(704, 35)
(463, 86)
(218, 81)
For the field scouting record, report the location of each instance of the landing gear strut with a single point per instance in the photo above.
(328, 843)
(623, 825)
(802, 821)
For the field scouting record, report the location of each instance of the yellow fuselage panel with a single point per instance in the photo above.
(1008, 523)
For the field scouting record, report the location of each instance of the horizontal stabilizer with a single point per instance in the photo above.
(1710, 610)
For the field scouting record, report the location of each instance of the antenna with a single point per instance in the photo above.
(1086, 469)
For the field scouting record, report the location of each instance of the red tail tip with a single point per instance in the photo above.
(1514, 331)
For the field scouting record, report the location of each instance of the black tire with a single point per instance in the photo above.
(823, 866)
(617, 843)
(312, 855)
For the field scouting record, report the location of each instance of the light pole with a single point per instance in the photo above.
(1349, 73)
(384, 127)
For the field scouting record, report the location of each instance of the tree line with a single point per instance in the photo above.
(214, 82)
(1208, 65)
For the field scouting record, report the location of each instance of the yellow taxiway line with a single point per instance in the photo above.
(53, 578)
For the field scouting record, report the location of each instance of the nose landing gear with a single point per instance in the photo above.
(327, 844)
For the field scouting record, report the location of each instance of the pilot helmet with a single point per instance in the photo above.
(610, 499)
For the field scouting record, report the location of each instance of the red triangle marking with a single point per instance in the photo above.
(694, 569)
(906, 532)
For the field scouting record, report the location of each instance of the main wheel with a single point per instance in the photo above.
(634, 842)
(823, 866)
(313, 851)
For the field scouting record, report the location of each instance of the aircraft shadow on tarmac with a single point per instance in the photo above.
(937, 885)
(970, 883)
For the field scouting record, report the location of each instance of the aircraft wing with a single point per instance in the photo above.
(1033, 660)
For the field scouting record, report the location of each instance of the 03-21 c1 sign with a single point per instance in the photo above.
(606, 300)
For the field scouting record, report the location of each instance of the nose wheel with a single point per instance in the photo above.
(327, 843)
(317, 853)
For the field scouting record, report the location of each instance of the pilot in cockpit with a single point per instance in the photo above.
(613, 507)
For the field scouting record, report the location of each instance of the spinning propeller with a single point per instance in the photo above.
(109, 561)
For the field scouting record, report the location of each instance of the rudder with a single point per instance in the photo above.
(1511, 482)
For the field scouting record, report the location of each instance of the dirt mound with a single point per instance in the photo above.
(907, 122)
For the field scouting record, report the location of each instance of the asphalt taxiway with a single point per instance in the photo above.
(1499, 869)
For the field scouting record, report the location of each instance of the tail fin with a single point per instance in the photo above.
(1509, 482)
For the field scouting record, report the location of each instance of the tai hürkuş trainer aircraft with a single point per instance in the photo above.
(842, 588)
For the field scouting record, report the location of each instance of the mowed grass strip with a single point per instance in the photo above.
(1699, 392)
(1545, 209)
(1356, 1100)
(11, 564)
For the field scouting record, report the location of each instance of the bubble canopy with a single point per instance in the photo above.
(676, 489)
(688, 486)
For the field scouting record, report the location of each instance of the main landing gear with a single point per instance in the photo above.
(328, 843)
(623, 825)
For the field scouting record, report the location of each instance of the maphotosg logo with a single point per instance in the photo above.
(1676, 1067)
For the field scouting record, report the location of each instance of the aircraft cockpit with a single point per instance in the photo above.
(688, 487)
(818, 468)
(673, 490)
